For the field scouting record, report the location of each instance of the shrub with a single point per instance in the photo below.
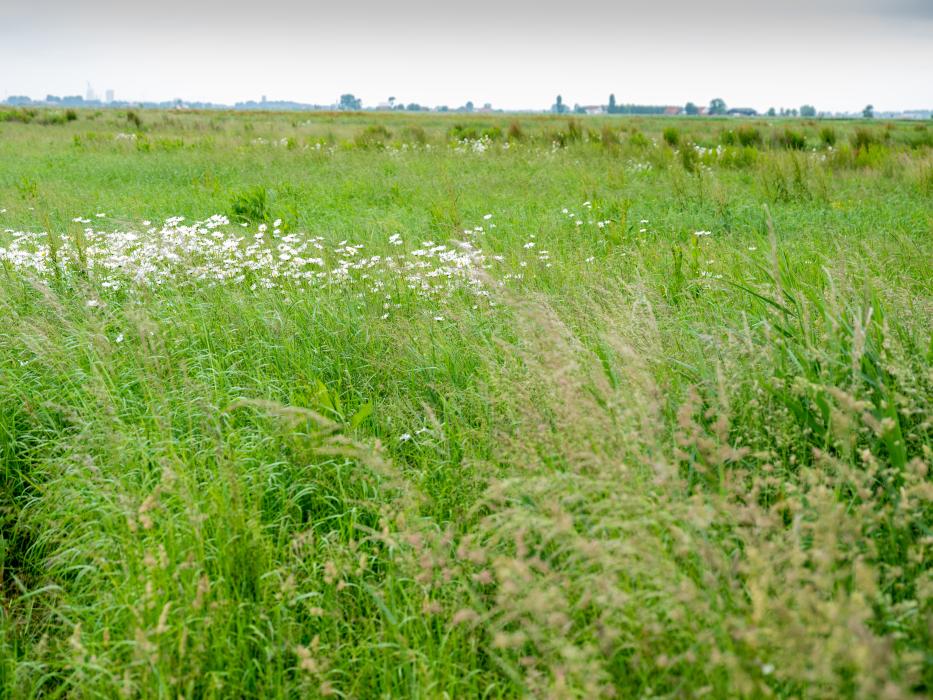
(863, 138)
(609, 137)
(748, 135)
(50, 118)
(415, 134)
(791, 140)
(671, 136)
(689, 157)
(739, 156)
(515, 132)
(250, 205)
(494, 133)
(638, 139)
(828, 136)
(133, 118)
(920, 138)
(71, 115)
(28, 188)
(460, 132)
(23, 116)
(373, 136)
(574, 130)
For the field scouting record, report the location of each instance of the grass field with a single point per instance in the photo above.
(464, 406)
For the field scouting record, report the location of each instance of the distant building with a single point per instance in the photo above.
(742, 112)
(108, 96)
(90, 96)
(594, 109)
(673, 111)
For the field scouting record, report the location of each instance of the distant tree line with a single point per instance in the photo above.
(349, 102)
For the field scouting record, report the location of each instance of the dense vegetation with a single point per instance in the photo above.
(464, 406)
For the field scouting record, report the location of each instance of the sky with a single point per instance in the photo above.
(838, 55)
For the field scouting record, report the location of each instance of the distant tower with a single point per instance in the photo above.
(109, 95)
(90, 96)
(264, 99)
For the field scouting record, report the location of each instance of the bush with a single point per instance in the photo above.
(689, 157)
(515, 132)
(791, 140)
(460, 132)
(373, 136)
(739, 157)
(671, 136)
(864, 138)
(638, 139)
(609, 137)
(23, 116)
(133, 118)
(828, 136)
(493, 133)
(920, 138)
(251, 205)
(415, 134)
(748, 136)
(71, 115)
(574, 130)
(52, 118)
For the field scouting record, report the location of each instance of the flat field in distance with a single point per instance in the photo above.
(421, 405)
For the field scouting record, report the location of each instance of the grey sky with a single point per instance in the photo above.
(836, 54)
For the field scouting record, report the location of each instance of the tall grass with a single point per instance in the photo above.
(685, 453)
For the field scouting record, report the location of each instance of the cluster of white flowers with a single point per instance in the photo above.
(480, 145)
(637, 166)
(215, 252)
(703, 150)
(579, 221)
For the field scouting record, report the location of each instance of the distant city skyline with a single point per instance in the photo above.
(836, 54)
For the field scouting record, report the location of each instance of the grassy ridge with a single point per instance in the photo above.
(682, 453)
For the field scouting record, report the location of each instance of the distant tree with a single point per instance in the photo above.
(350, 103)
(808, 111)
(717, 106)
(869, 112)
(469, 106)
(559, 107)
(414, 107)
(611, 109)
(443, 108)
(691, 109)
(487, 106)
(771, 112)
(578, 109)
(391, 102)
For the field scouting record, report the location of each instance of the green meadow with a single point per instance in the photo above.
(464, 406)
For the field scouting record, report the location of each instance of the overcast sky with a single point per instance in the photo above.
(835, 54)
